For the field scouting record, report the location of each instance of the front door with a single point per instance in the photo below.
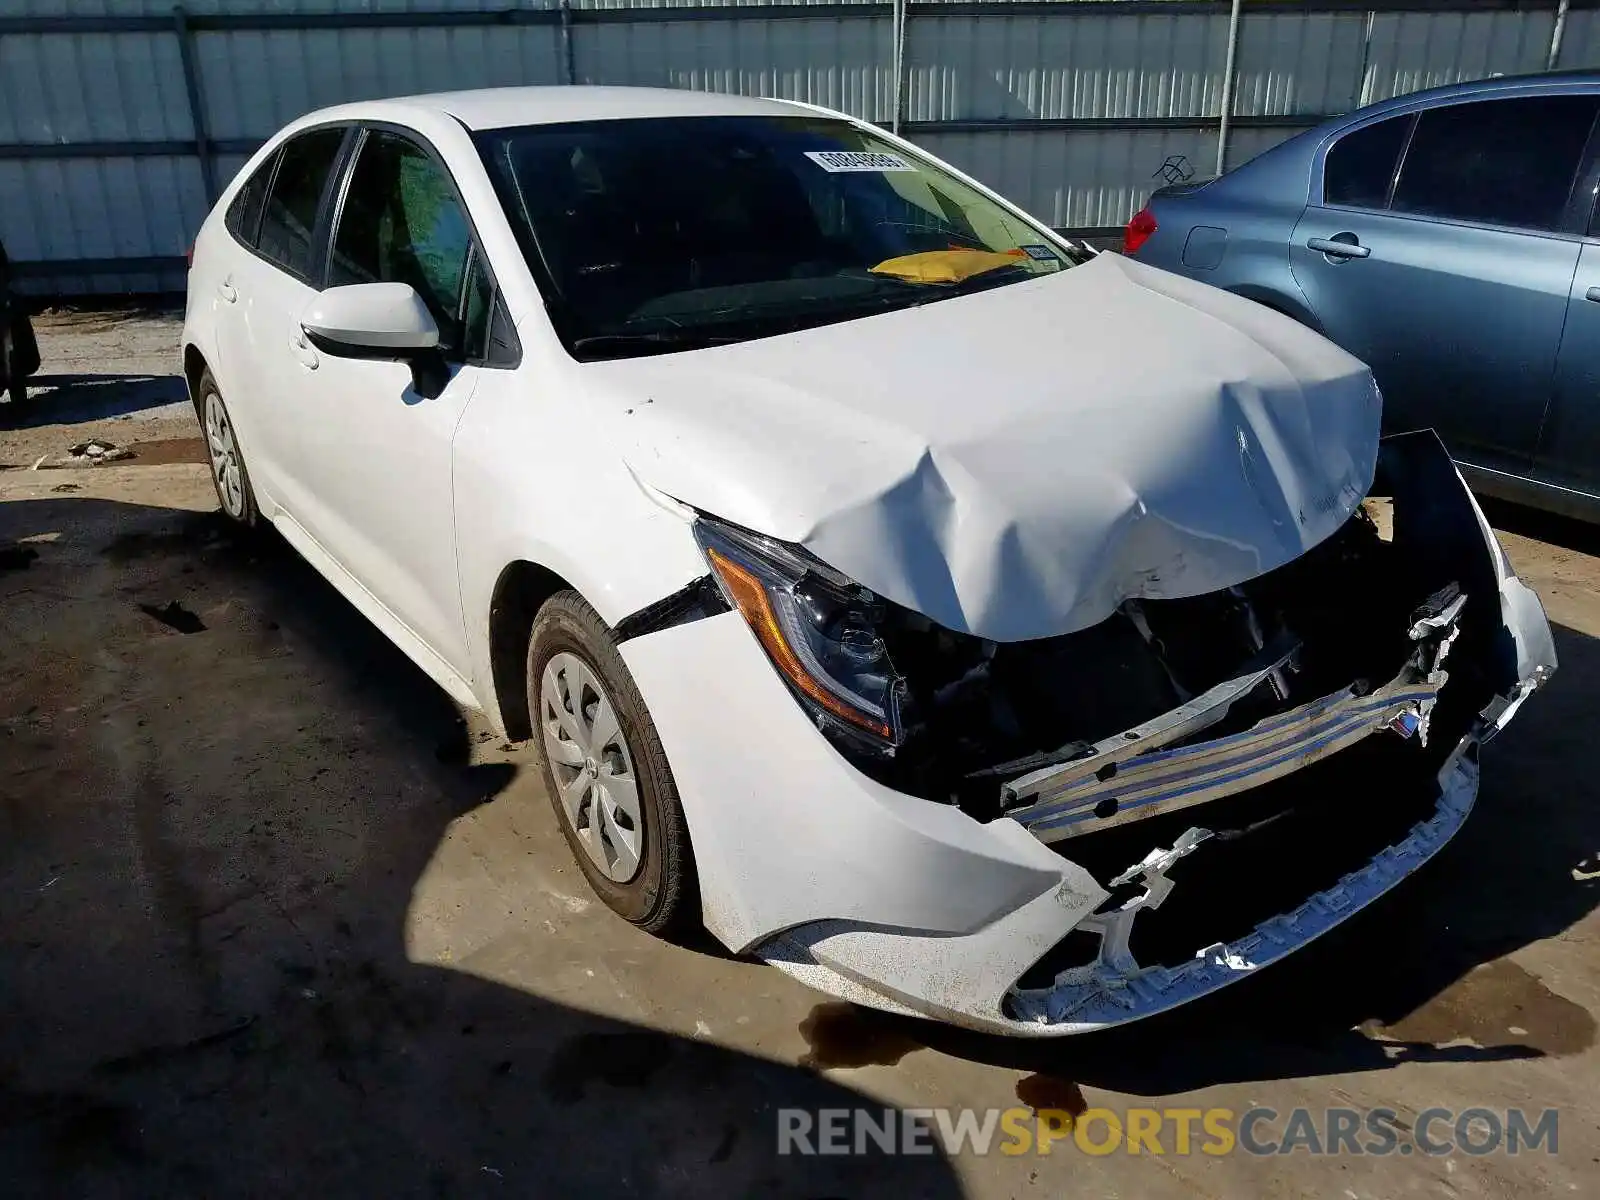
(377, 453)
(1454, 288)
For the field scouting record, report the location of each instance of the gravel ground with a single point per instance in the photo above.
(112, 376)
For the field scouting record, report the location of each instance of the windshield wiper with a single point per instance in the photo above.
(1007, 273)
(655, 341)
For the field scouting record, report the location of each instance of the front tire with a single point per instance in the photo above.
(228, 472)
(605, 769)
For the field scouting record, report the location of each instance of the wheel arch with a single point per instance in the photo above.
(1278, 302)
(194, 366)
(520, 590)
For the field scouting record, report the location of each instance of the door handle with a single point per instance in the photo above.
(303, 350)
(1593, 294)
(1339, 249)
(227, 291)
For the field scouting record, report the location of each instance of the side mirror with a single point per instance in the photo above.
(385, 321)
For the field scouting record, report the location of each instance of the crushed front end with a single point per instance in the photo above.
(1205, 784)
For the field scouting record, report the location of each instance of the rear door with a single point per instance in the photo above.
(261, 297)
(1452, 283)
(214, 284)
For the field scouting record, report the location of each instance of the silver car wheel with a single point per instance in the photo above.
(591, 765)
(224, 456)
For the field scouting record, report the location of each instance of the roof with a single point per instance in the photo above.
(497, 108)
(1542, 81)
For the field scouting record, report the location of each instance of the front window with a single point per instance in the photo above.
(664, 234)
(402, 223)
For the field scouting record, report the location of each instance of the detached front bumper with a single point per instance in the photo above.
(912, 906)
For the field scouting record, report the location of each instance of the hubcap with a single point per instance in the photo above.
(224, 456)
(592, 767)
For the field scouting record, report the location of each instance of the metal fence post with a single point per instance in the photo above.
(1366, 59)
(1227, 86)
(197, 112)
(569, 62)
(898, 67)
(1555, 36)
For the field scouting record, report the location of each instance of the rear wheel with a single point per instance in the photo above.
(228, 471)
(605, 770)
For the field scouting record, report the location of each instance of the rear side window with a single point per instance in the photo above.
(1361, 165)
(1497, 162)
(402, 223)
(244, 214)
(289, 223)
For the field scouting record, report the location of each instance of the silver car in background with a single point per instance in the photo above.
(1450, 239)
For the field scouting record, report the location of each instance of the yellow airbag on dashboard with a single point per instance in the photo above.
(946, 266)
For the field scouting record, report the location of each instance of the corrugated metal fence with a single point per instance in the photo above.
(120, 119)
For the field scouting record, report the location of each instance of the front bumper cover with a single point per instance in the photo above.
(910, 906)
(1113, 989)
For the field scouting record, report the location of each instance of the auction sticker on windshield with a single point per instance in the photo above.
(858, 160)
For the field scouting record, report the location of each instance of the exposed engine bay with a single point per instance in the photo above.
(1362, 669)
(1167, 703)
(1280, 752)
(983, 718)
(1075, 734)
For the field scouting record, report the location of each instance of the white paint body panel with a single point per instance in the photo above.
(1012, 463)
(787, 832)
(375, 463)
(256, 367)
(1018, 462)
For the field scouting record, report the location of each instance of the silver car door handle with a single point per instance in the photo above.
(304, 351)
(227, 291)
(1338, 249)
(1593, 294)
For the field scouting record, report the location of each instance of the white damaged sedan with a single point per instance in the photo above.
(945, 614)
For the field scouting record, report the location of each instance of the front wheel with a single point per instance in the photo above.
(605, 770)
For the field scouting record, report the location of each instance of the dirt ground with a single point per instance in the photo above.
(275, 919)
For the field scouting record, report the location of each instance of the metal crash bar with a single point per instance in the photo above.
(1128, 777)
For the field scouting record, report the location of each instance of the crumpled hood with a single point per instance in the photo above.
(1016, 463)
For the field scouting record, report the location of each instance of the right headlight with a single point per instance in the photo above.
(819, 629)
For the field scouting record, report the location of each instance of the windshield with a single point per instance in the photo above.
(662, 234)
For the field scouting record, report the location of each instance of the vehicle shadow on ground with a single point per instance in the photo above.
(1418, 977)
(70, 399)
(1551, 528)
(209, 846)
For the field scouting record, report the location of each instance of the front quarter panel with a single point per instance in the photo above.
(787, 833)
(538, 480)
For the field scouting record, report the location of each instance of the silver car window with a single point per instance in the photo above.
(1360, 166)
(1497, 162)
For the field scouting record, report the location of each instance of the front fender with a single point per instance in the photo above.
(536, 481)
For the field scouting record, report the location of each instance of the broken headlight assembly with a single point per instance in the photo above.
(818, 628)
